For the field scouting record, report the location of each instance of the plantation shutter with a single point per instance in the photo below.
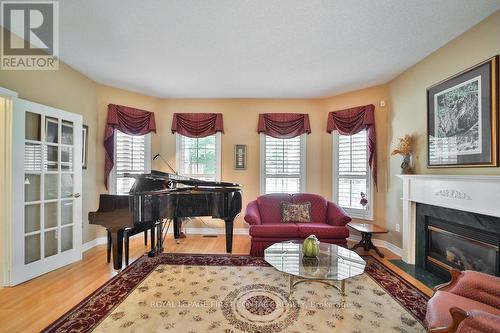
(283, 166)
(353, 172)
(130, 158)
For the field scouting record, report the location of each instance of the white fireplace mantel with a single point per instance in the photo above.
(476, 194)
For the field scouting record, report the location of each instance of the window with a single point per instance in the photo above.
(132, 155)
(199, 157)
(282, 164)
(351, 173)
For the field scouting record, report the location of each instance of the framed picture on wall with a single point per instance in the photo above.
(240, 157)
(462, 118)
(85, 145)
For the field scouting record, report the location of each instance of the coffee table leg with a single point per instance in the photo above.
(290, 291)
(342, 304)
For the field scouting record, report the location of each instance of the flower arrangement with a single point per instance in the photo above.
(405, 149)
(363, 202)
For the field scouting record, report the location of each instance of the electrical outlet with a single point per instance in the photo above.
(397, 227)
(382, 103)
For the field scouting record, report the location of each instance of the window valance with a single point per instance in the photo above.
(197, 125)
(284, 125)
(353, 120)
(128, 120)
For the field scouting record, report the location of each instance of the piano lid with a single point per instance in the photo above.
(164, 176)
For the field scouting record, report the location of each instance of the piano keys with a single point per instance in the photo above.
(155, 197)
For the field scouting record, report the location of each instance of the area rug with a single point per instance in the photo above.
(222, 293)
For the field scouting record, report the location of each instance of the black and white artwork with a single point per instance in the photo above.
(462, 126)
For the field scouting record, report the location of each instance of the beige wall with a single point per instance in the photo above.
(68, 90)
(408, 96)
(240, 124)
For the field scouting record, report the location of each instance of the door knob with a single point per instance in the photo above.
(76, 195)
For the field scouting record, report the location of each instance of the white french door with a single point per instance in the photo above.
(47, 181)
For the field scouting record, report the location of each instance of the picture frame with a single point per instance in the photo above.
(240, 157)
(85, 145)
(462, 119)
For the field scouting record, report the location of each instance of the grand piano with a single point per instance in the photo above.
(157, 196)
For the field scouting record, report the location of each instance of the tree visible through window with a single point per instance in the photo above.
(198, 157)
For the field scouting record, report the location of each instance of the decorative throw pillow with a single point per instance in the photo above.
(295, 212)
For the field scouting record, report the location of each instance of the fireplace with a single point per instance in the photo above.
(448, 238)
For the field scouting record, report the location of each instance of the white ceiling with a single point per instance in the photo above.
(257, 48)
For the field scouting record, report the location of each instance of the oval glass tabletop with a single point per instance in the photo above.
(333, 262)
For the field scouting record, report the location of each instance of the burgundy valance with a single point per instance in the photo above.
(129, 121)
(353, 120)
(284, 125)
(197, 125)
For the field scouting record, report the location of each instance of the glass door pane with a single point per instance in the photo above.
(48, 222)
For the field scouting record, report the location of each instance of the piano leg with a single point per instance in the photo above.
(117, 245)
(127, 249)
(177, 227)
(108, 249)
(229, 236)
(159, 237)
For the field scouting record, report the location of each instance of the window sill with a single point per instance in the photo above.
(359, 216)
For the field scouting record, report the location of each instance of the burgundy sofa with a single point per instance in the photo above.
(328, 221)
(469, 303)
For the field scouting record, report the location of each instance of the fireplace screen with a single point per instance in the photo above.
(448, 249)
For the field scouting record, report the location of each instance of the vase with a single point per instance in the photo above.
(406, 165)
(310, 248)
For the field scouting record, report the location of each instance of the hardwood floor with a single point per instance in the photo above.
(33, 305)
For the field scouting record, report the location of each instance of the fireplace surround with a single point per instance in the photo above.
(479, 195)
(449, 238)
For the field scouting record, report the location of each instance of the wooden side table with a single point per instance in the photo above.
(366, 230)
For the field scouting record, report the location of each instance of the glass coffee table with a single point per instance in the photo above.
(334, 264)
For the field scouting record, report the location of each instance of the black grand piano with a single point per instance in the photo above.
(157, 196)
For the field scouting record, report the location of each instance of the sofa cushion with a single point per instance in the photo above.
(275, 230)
(318, 205)
(269, 206)
(321, 230)
(438, 308)
(295, 212)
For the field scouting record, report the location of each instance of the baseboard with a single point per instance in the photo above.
(380, 243)
(98, 241)
(189, 231)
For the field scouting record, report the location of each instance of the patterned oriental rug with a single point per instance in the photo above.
(221, 293)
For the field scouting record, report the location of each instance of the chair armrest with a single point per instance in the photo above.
(455, 276)
(336, 216)
(252, 214)
(472, 321)
(479, 321)
(480, 287)
(458, 316)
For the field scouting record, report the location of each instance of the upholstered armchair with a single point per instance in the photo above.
(469, 303)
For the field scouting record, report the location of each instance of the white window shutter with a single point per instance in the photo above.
(283, 164)
(352, 173)
(131, 156)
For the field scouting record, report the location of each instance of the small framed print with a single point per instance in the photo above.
(85, 145)
(240, 157)
(462, 118)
